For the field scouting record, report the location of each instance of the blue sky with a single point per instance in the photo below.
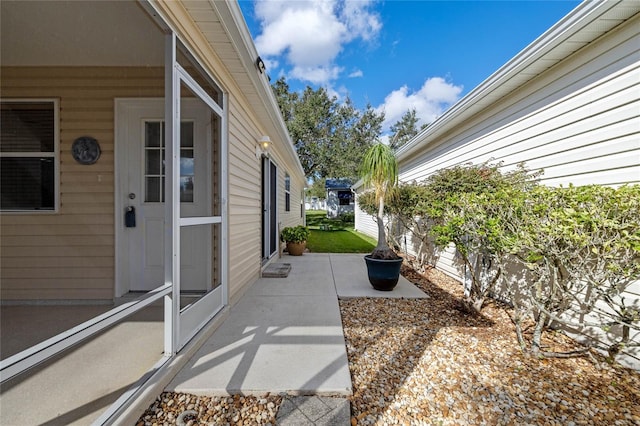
(395, 54)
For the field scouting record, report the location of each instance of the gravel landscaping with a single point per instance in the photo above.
(422, 362)
(426, 362)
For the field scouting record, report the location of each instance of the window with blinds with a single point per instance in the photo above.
(27, 155)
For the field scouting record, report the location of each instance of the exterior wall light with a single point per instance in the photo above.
(264, 143)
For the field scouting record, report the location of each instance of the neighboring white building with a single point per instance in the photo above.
(340, 198)
(315, 203)
(569, 103)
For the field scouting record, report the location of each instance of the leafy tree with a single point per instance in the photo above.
(380, 170)
(365, 131)
(318, 189)
(286, 99)
(404, 129)
(311, 126)
(330, 138)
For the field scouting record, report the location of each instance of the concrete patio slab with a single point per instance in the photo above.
(74, 388)
(284, 336)
(350, 277)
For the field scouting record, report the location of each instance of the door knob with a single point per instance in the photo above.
(132, 196)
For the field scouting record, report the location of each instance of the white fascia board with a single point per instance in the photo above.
(241, 39)
(357, 185)
(583, 15)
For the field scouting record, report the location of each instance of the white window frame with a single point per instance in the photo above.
(287, 192)
(55, 156)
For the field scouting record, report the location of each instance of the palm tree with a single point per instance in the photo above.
(380, 170)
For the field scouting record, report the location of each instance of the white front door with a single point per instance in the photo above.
(143, 190)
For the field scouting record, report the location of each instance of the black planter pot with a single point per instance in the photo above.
(383, 274)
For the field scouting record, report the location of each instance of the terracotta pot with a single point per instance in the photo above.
(296, 249)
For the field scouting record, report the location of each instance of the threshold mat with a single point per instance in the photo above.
(277, 270)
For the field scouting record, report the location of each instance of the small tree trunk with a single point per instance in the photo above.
(382, 240)
(518, 325)
(537, 334)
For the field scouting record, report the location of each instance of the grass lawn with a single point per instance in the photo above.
(335, 236)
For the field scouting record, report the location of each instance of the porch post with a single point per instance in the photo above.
(224, 144)
(172, 199)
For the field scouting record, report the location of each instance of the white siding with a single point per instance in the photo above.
(363, 222)
(580, 122)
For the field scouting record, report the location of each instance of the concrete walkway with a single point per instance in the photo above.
(285, 336)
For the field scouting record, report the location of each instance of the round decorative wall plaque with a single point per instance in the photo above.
(85, 150)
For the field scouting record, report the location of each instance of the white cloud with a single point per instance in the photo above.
(433, 98)
(356, 73)
(310, 34)
(317, 75)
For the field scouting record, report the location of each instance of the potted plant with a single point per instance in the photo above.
(380, 170)
(296, 239)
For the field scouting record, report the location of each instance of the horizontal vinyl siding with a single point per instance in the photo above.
(363, 222)
(245, 198)
(70, 254)
(292, 217)
(245, 221)
(580, 123)
(588, 135)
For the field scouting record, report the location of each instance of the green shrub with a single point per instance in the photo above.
(347, 217)
(295, 234)
(581, 247)
(475, 208)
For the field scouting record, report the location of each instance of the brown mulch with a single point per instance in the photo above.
(429, 361)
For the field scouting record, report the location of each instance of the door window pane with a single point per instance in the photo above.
(154, 161)
(154, 154)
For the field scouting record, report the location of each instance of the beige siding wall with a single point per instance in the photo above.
(70, 254)
(245, 203)
(291, 217)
